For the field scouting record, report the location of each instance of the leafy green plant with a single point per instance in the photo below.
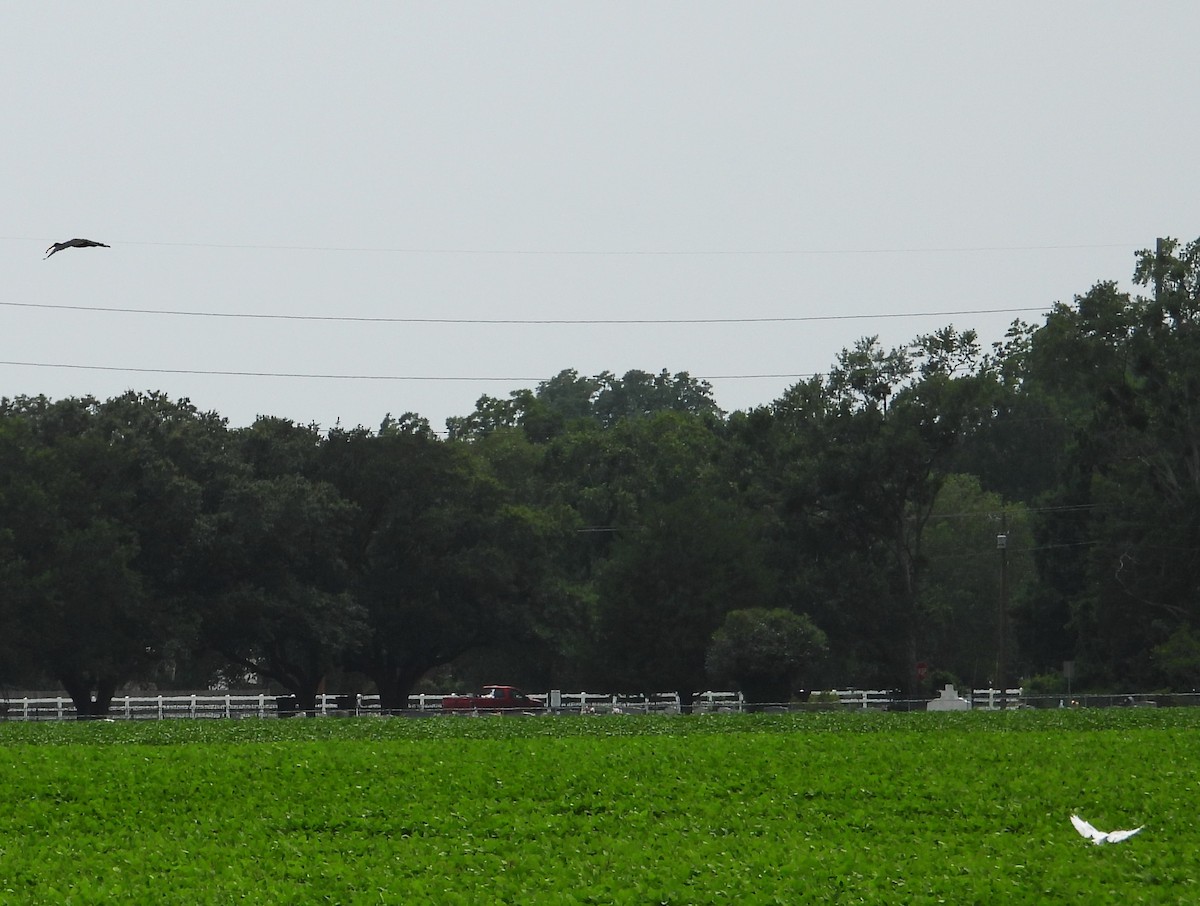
(805, 807)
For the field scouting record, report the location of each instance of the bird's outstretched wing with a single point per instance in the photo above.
(74, 244)
(1098, 836)
(1118, 836)
(1086, 829)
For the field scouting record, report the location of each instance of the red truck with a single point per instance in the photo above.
(493, 698)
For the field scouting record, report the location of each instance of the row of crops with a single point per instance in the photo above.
(832, 807)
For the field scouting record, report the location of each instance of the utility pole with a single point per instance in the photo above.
(1002, 621)
(1158, 274)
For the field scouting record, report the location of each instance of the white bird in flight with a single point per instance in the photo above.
(1099, 836)
(74, 244)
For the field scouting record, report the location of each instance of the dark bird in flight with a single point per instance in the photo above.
(73, 244)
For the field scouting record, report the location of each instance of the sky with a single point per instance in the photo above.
(329, 212)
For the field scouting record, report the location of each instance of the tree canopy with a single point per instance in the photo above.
(625, 533)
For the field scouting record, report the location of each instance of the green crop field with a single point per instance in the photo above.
(804, 808)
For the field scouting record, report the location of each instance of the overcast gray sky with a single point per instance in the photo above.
(562, 161)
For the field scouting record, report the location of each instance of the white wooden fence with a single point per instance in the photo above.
(231, 705)
(880, 699)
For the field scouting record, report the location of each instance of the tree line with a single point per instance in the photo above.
(933, 512)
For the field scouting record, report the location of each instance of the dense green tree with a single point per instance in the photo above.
(851, 465)
(666, 543)
(638, 394)
(1177, 660)
(277, 447)
(568, 398)
(275, 600)
(960, 597)
(1121, 371)
(492, 414)
(765, 653)
(443, 558)
(667, 586)
(548, 637)
(23, 504)
(107, 499)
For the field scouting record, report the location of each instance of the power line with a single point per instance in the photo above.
(523, 321)
(418, 250)
(992, 514)
(346, 377)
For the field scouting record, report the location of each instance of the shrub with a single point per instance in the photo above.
(765, 653)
